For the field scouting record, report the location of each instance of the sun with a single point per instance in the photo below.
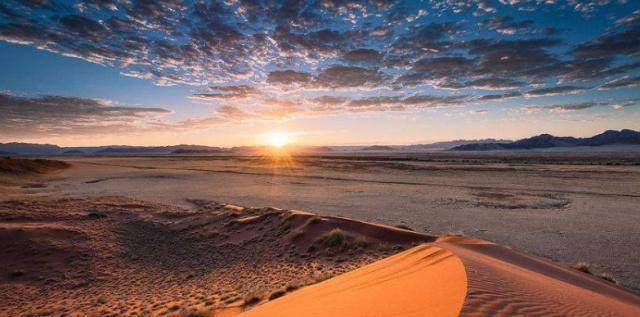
(278, 139)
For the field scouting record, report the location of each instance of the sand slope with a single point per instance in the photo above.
(503, 282)
(458, 276)
(423, 281)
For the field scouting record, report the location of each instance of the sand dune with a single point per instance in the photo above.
(502, 282)
(423, 281)
(116, 256)
(458, 276)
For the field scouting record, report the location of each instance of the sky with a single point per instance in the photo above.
(328, 72)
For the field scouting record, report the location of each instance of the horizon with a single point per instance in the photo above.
(317, 73)
(294, 145)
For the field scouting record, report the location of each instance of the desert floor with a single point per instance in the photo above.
(568, 208)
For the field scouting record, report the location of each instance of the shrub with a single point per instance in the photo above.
(312, 220)
(200, 313)
(322, 277)
(251, 299)
(405, 227)
(335, 238)
(583, 267)
(292, 287)
(607, 277)
(276, 294)
(97, 215)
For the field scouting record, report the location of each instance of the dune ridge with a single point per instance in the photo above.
(423, 281)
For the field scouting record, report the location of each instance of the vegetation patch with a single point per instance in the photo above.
(277, 294)
(335, 238)
(97, 215)
(583, 267)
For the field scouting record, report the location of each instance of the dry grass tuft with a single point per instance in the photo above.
(277, 294)
(252, 299)
(313, 220)
(335, 238)
(607, 277)
(404, 227)
(583, 267)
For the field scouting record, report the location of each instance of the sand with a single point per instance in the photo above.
(423, 281)
(458, 276)
(554, 202)
(503, 282)
(118, 256)
(114, 256)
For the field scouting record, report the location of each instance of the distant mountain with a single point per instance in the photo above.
(49, 149)
(450, 144)
(377, 148)
(29, 148)
(73, 152)
(198, 151)
(609, 137)
(158, 149)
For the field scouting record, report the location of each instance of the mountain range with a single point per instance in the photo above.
(610, 137)
(542, 141)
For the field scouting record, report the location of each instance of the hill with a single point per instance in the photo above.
(542, 141)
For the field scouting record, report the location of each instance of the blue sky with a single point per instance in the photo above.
(323, 72)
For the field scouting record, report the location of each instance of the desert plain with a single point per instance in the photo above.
(225, 235)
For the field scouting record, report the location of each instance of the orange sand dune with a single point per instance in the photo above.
(503, 282)
(423, 281)
(458, 276)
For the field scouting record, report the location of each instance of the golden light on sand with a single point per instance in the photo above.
(278, 139)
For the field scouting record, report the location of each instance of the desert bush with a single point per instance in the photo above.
(405, 227)
(322, 277)
(97, 215)
(583, 267)
(292, 287)
(607, 277)
(277, 294)
(335, 238)
(200, 313)
(252, 299)
(312, 220)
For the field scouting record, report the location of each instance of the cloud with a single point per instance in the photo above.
(508, 25)
(616, 43)
(227, 92)
(557, 90)
(494, 83)
(363, 55)
(507, 95)
(633, 18)
(386, 103)
(429, 38)
(288, 77)
(622, 83)
(569, 107)
(276, 59)
(56, 115)
(626, 104)
(349, 76)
